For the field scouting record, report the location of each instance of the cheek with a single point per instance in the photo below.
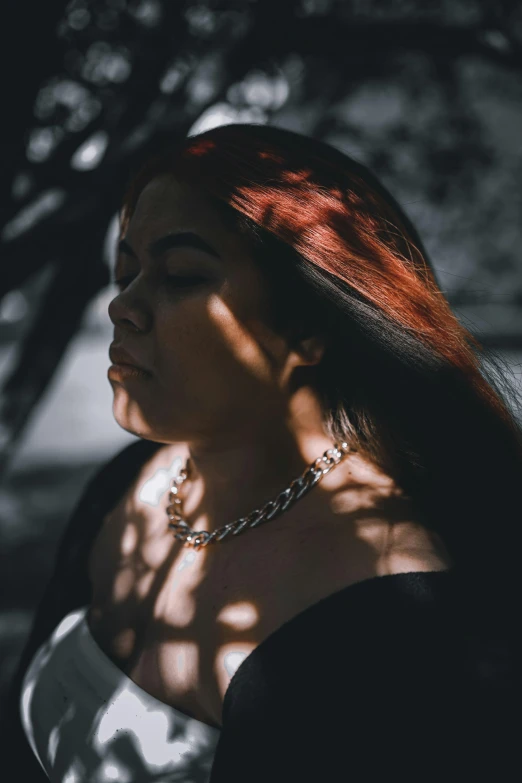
(242, 341)
(209, 341)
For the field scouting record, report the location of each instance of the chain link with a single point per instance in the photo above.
(285, 500)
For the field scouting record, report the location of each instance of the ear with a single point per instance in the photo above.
(311, 349)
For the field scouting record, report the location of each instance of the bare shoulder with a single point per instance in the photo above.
(381, 541)
(373, 529)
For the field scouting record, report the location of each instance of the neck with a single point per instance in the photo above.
(229, 478)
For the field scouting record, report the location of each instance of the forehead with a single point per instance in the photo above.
(167, 203)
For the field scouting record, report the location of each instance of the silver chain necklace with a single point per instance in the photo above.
(299, 487)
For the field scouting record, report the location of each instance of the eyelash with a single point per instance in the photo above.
(191, 278)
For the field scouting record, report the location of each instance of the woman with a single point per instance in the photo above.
(326, 591)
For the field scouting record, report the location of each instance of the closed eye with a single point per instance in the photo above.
(178, 280)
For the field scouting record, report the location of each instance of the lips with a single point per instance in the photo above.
(119, 355)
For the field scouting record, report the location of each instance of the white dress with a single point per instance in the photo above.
(87, 722)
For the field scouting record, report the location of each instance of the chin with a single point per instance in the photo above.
(131, 424)
(138, 433)
(141, 430)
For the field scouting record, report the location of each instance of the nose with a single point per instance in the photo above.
(127, 316)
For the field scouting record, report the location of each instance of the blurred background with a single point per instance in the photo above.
(427, 94)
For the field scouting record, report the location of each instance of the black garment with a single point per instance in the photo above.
(383, 679)
(378, 682)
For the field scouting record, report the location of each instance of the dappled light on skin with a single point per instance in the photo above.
(129, 540)
(189, 558)
(186, 660)
(232, 661)
(152, 491)
(124, 583)
(239, 615)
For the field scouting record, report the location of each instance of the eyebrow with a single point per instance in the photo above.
(160, 246)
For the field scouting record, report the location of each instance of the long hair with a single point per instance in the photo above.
(402, 380)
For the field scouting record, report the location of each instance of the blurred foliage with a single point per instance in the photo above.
(427, 94)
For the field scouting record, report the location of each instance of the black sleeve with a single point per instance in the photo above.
(404, 701)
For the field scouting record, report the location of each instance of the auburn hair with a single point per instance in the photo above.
(402, 380)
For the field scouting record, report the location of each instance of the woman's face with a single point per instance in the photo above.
(216, 369)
